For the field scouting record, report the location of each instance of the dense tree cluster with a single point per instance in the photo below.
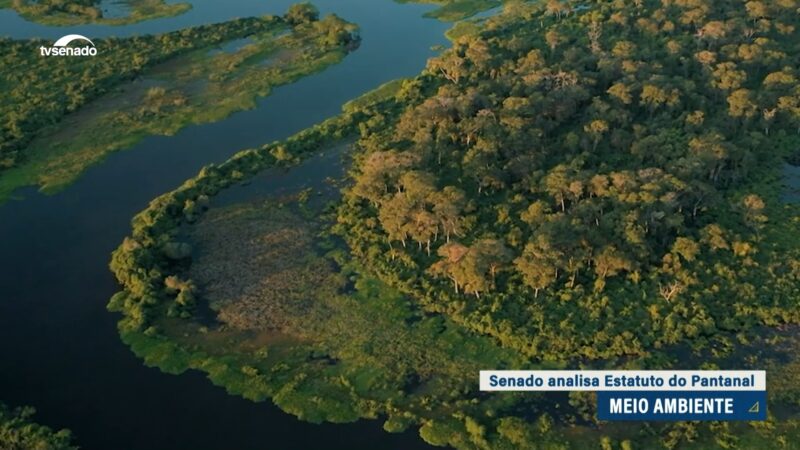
(17, 432)
(590, 175)
(300, 13)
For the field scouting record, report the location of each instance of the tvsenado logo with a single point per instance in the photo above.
(61, 47)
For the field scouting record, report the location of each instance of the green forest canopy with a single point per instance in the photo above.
(592, 182)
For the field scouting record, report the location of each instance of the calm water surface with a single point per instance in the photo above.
(59, 348)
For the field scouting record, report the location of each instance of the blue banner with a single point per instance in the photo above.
(682, 405)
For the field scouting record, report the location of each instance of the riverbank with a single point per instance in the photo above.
(197, 86)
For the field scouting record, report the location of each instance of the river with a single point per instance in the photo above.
(60, 349)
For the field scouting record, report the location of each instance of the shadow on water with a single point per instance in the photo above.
(60, 349)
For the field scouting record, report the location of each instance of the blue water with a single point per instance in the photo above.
(59, 348)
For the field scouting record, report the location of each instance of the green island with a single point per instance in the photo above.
(18, 432)
(78, 12)
(148, 85)
(571, 185)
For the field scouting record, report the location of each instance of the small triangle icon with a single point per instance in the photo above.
(754, 408)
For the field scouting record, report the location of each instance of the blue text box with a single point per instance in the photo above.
(682, 405)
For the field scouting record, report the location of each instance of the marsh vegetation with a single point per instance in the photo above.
(158, 85)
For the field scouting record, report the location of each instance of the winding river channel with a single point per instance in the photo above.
(59, 347)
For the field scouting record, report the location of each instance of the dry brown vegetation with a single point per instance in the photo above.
(255, 264)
